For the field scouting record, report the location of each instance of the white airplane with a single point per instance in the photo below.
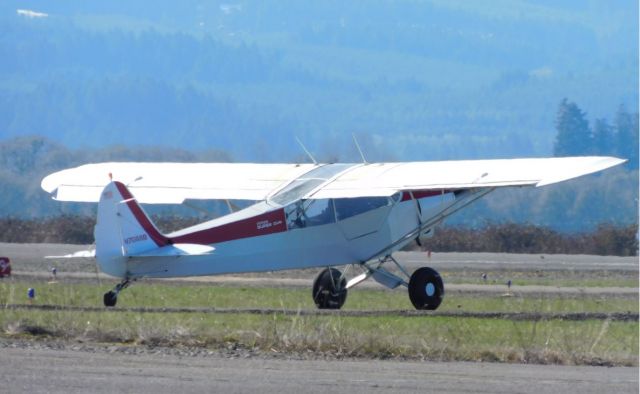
(303, 215)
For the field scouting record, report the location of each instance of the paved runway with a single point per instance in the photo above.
(30, 257)
(511, 261)
(29, 263)
(68, 371)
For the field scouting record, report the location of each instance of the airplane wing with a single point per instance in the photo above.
(385, 179)
(172, 183)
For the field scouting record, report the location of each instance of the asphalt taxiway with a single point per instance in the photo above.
(107, 371)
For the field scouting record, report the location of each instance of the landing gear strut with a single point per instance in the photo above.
(330, 289)
(111, 297)
(426, 289)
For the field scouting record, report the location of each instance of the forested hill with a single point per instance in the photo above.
(86, 81)
(415, 80)
(580, 205)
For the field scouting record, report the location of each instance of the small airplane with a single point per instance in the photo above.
(300, 216)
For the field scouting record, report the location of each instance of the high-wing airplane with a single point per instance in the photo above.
(303, 215)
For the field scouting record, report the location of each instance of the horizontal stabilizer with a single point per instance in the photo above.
(178, 250)
(82, 254)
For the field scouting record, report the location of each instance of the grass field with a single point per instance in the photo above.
(596, 278)
(594, 342)
(436, 338)
(203, 295)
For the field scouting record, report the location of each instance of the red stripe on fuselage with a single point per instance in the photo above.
(263, 224)
(141, 217)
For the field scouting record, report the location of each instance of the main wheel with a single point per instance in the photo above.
(426, 289)
(329, 289)
(110, 298)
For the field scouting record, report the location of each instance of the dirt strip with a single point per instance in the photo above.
(573, 316)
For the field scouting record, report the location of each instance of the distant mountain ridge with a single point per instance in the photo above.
(415, 80)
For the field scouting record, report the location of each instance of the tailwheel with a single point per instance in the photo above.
(111, 297)
(330, 289)
(426, 289)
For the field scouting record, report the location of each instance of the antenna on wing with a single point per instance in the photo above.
(306, 151)
(359, 150)
(135, 180)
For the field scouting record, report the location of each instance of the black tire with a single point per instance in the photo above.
(426, 289)
(329, 293)
(110, 299)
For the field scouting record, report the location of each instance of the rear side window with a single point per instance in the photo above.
(348, 207)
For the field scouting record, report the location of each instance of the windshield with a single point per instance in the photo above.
(307, 182)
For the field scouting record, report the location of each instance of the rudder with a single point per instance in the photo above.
(122, 229)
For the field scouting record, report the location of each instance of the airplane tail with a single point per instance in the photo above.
(122, 230)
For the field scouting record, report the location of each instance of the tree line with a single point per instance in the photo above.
(577, 137)
(606, 240)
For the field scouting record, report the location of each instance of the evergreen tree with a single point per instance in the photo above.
(626, 138)
(574, 137)
(603, 143)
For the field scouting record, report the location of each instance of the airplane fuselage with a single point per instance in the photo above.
(301, 234)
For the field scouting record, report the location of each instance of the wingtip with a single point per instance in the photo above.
(598, 163)
(47, 184)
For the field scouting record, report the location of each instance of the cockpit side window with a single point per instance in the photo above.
(348, 207)
(307, 213)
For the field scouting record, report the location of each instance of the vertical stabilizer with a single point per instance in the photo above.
(122, 229)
